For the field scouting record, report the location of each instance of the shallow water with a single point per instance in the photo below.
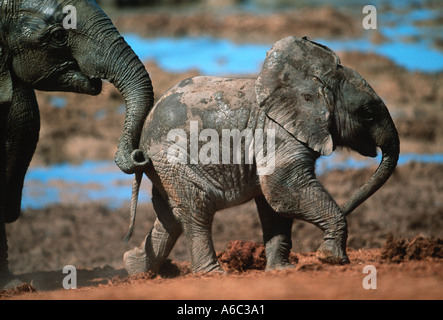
(102, 181)
(221, 57)
(207, 55)
(99, 181)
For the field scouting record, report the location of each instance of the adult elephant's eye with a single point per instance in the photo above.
(59, 37)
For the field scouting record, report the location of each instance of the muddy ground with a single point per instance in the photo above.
(398, 230)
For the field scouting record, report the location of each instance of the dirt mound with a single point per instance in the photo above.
(241, 255)
(22, 289)
(419, 248)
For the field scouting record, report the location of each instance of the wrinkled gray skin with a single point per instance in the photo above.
(36, 52)
(314, 104)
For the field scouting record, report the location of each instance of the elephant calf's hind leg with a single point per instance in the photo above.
(198, 229)
(154, 250)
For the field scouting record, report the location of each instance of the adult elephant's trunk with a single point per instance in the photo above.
(106, 55)
(387, 139)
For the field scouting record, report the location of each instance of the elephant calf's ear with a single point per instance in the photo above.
(5, 79)
(291, 94)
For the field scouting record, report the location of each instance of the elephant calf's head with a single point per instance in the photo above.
(304, 88)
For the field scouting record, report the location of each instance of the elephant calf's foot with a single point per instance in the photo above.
(332, 252)
(277, 254)
(279, 266)
(135, 261)
(218, 270)
(213, 268)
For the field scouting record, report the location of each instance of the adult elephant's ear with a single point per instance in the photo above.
(5, 77)
(293, 90)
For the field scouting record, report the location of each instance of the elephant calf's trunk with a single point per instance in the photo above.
(388, 163)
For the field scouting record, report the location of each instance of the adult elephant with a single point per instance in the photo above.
(309, 103)
(38, 52)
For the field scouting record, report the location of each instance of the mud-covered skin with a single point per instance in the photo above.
(215, 110)
(312, 104)
(38, 52)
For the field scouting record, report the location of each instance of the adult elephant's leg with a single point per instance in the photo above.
(21, 141)
(7, 278)
(4, 268)
(5, 275)
(276, 235)
(157, 245)
(20, 130)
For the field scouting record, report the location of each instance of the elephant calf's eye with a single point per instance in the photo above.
(366, 113)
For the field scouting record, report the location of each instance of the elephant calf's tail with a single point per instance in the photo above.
(134, 199)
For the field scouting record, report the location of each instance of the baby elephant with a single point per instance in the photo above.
(215, 143)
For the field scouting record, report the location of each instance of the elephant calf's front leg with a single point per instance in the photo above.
(305, 198)
(276, 235)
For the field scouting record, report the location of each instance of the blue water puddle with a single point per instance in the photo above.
(339, 162)
(58, 102)
(207, 55)
(95, 181)
(220, 57)
(406, 43)
(414, 56)
(103, 182)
